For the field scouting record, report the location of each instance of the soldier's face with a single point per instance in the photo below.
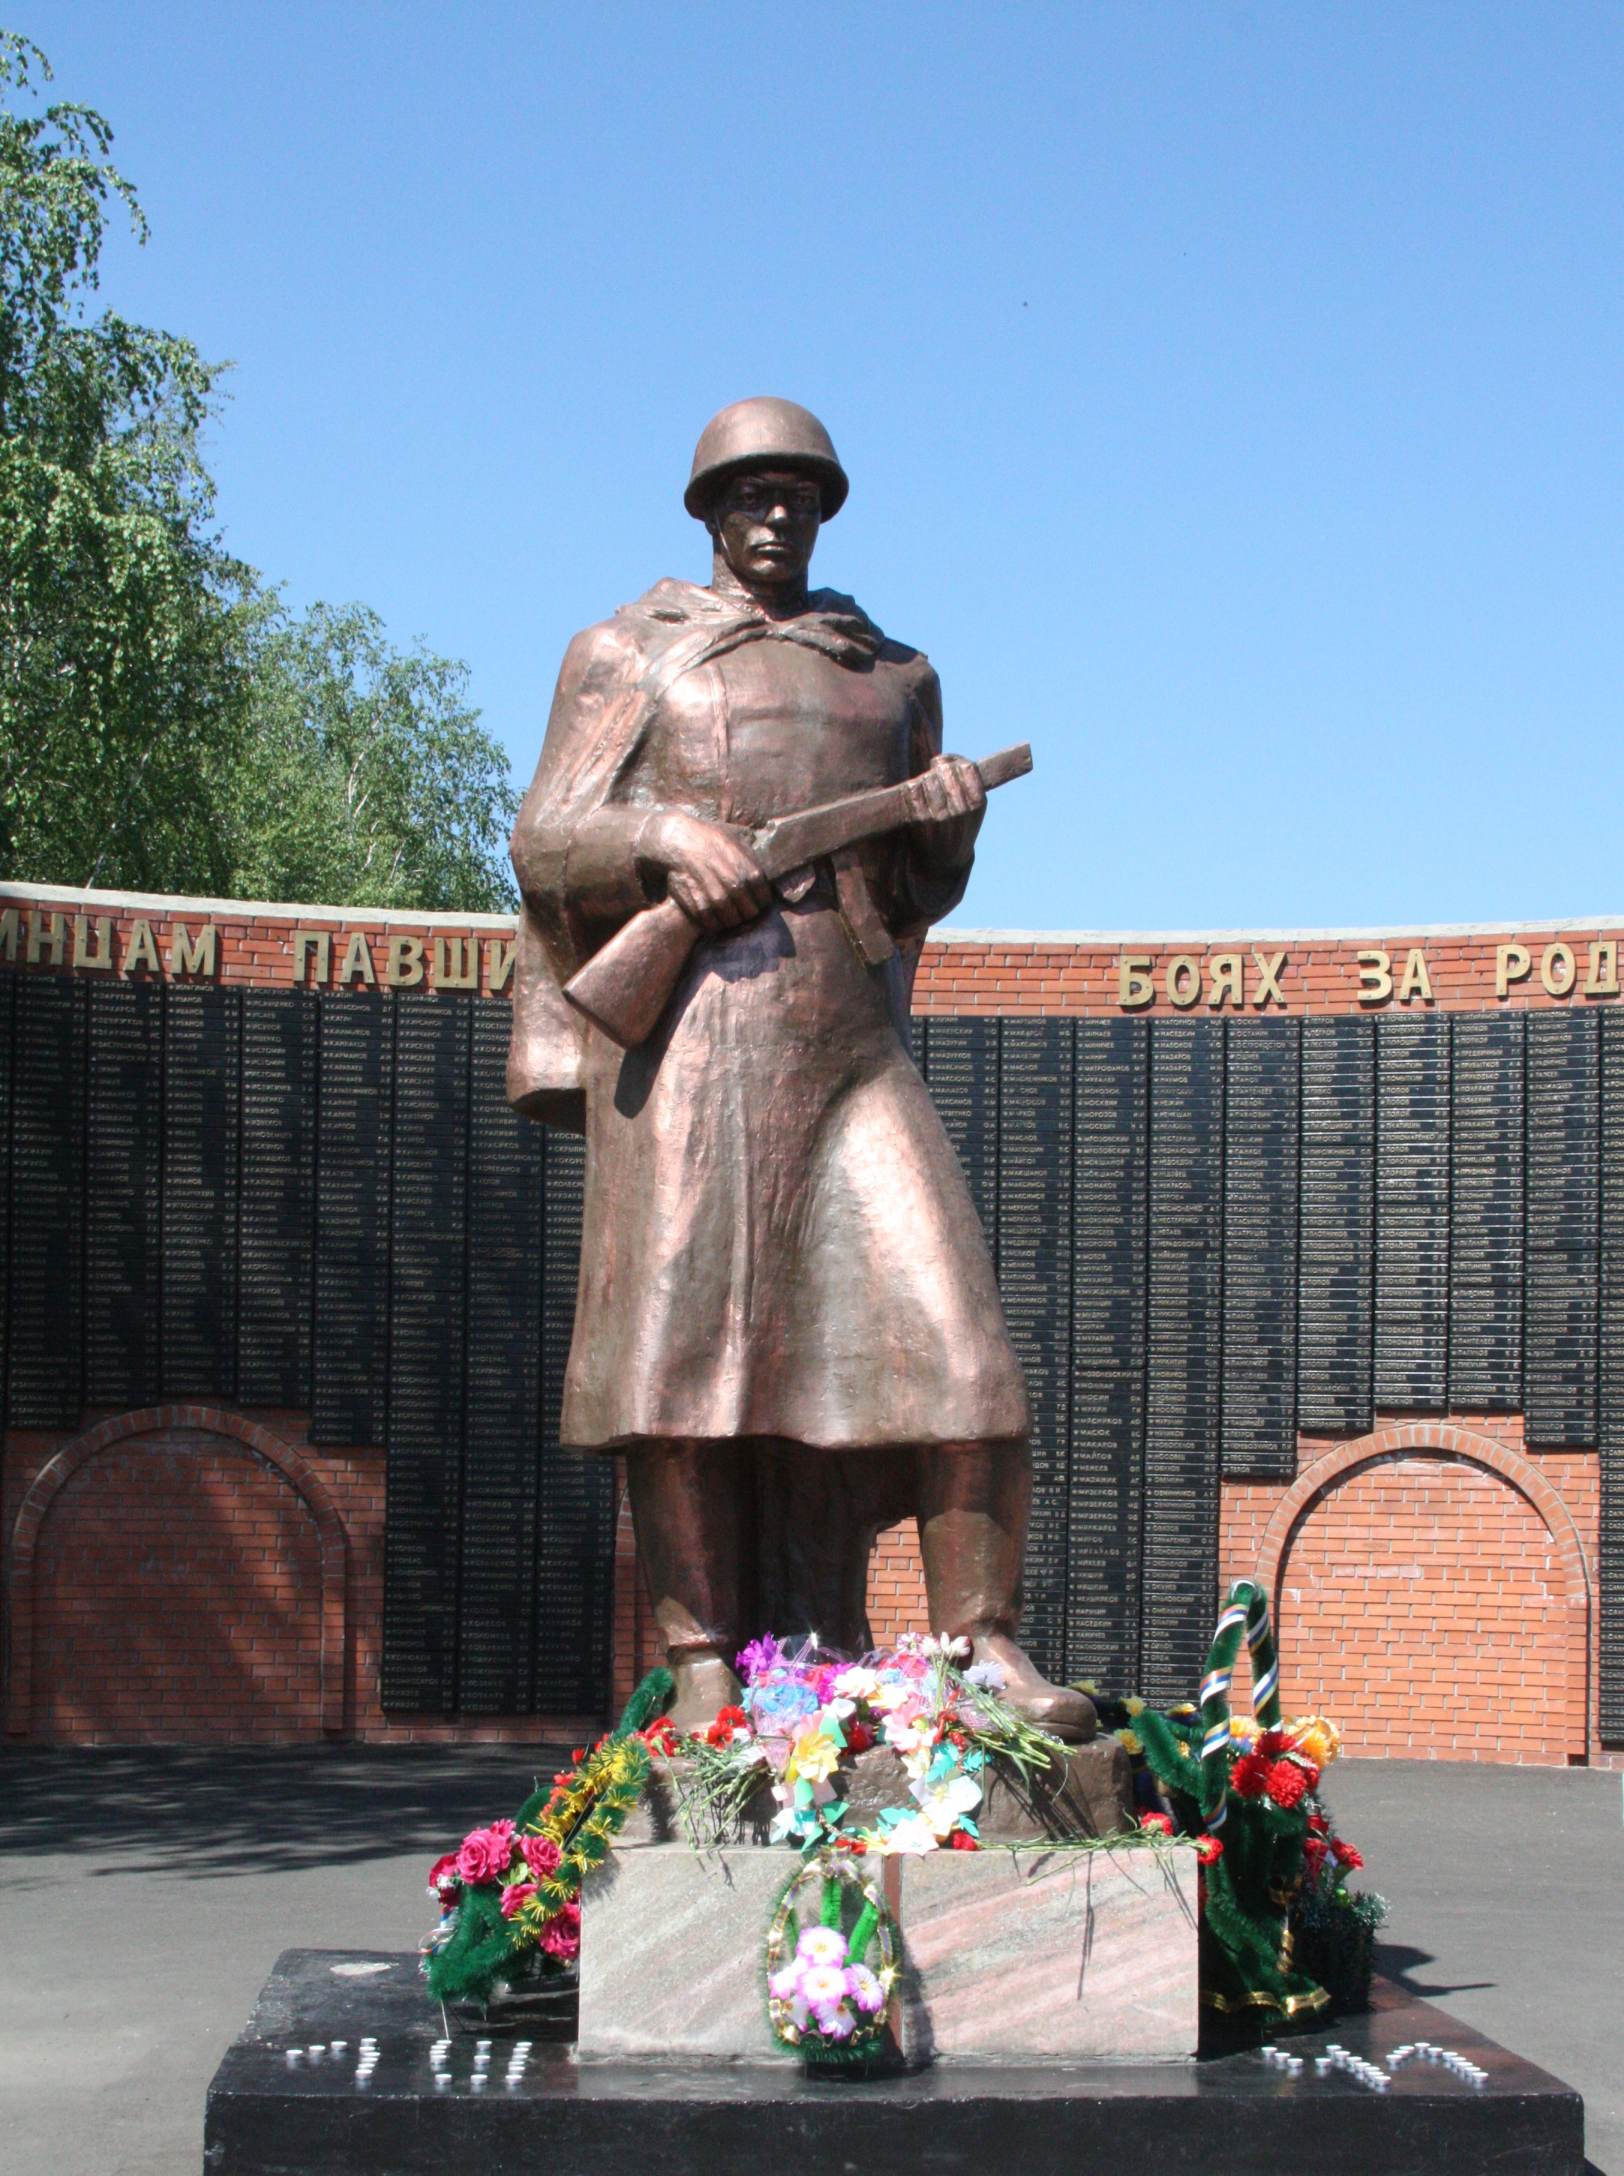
(766, 524)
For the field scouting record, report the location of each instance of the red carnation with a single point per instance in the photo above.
(1318, 1825)
(859, 1737)
(1347, 1855)
(1157, 1822)
(661, 1735)
(1209, 1850)
(1273, 1743)
(1285, 1783)
(1249, 1776)
(962, 1840)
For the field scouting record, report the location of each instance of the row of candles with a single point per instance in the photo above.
(1339, 2058)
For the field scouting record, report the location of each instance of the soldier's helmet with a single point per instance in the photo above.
(764, 433)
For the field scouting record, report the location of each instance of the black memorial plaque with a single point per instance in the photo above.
(1336, 1227)
(575, 1538)
(1562, 1181)
(1262, 1091)
(1033, 1251)
(427, 1316)
(1610, 1419)
(278, 1197)
(503, 1400)
(124, 1158)
(353, 1114)
(1486, 1214)
(201, 1190)
(8, 1062)
(1183, 1355)
(1110, 1240)
(961, 1072)
(47, 1204)
(1412, 1214)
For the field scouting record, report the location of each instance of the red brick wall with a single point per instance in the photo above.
(177, 1595)
(1463, 1598)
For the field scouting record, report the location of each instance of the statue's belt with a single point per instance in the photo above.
(839, 880)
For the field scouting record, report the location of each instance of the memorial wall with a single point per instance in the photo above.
(1312, 1247)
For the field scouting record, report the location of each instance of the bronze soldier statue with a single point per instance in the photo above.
(787, 1317)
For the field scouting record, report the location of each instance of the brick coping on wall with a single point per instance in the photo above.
(184, 903)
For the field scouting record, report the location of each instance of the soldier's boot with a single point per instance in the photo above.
(974, 1501)
(690, 1520)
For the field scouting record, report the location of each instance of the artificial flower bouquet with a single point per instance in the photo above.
(804, 1715)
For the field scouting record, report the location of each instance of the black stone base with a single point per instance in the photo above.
(1231, 2115)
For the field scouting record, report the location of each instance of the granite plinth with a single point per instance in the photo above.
(1228, 2116)
(1090, 1793)
(1044, 1952)
(1036, 1955)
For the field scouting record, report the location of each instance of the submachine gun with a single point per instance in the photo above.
(627, 983)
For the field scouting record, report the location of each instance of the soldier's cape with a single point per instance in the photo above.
(609, 691)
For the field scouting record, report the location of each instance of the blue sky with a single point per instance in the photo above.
(1231, 393)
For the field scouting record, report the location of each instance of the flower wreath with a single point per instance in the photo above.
(829, 1982)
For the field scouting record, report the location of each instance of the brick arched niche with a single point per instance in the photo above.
(1433, 1598)
(177, 1574)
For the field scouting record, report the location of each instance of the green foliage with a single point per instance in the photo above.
(121, 685)
(365, 778)
(164, 724)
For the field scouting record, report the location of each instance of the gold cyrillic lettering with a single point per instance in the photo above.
(1602, 980)
(1415, 981)
(45, 930)
(357, 960)
(1375, 978)
(11, 929)
(456, 963)
(102, 956)
(1557, 969)
(1182, 981)
(1226, 972)
(189, 955)
(1269, 966)
(1134, 986)
(404, 965)
(140, 951)
(308, 942)
(1511, 964)
(499, 963)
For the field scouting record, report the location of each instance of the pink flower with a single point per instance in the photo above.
(486, 1852)
(541, 1854)
(561, 1937)
(443, 1878)
(516, 1894)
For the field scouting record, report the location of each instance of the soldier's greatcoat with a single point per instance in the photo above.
(777, 1240)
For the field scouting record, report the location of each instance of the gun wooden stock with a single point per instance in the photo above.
(627, 983)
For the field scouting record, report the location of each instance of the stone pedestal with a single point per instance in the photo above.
(1218, 2117)
(1044, 1955)
(1025, 1953)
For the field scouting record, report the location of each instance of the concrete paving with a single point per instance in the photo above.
(144, 1895)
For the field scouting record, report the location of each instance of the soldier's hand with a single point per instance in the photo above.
(710, 870)
(948, 804)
